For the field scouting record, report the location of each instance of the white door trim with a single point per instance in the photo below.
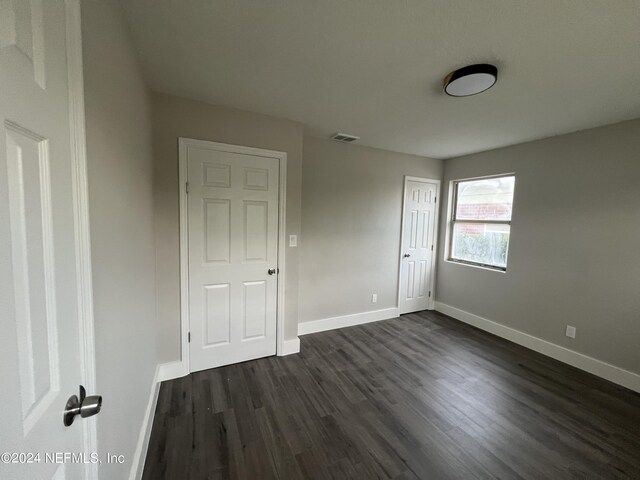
(432, 287)
(81, 221)
(183, 143)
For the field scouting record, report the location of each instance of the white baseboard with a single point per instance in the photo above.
(140, 454)
(171, 370)
(602, 369)
(332, 323)
(290, 347)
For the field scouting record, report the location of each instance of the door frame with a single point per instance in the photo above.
(434, 256)
(183, 144)
(81, 217)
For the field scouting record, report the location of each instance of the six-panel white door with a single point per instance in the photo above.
(40, 361)
(232, 207)
(418, 243)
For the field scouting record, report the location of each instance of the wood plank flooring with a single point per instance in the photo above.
(419, 397)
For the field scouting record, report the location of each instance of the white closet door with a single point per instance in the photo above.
(417, 247)
(233, 247)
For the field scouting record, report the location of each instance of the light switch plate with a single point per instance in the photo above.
(293, 240)
(571, 331)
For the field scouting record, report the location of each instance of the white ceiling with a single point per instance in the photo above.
(374, 68)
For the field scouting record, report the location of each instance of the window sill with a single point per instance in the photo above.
(473, 265)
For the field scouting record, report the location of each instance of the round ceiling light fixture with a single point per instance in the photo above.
(470, 80)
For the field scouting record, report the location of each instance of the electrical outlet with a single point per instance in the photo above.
(374, 298)
(571, 331)
(293, 240)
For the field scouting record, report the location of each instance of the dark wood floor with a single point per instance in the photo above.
(422, 396)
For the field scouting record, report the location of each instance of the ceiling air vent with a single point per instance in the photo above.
(343, 137)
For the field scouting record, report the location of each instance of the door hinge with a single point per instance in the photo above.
(188, 337)
(432, 248)
(435, 199)
(429, 293)
(186, 187)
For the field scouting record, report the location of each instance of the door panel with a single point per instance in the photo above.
(216, 230)
(255, 309)
(217, 314)
(39, 345)
(417, 247)
(256, 234)
(232, 209)
(32, 261)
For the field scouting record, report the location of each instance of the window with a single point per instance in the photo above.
(481, 221)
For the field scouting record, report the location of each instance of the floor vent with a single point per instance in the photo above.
(343, 137)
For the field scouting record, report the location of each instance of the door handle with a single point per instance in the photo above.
(406, 255)
(81, 405)
(272, 271)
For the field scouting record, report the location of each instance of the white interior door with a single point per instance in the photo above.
(40, 356)
(418, 246)
(232, 206)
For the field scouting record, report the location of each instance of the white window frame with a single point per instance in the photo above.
(453, 220)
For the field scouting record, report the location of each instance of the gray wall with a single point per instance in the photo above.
(118, 121)
(573, 254)
(351, 218)
(178, 117)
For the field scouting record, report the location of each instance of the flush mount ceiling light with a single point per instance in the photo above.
(470, 80)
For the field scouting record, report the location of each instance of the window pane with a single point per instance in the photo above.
(481, 243)
(485, 199)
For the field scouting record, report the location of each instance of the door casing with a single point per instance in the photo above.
(434, 256)
(183, 144)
